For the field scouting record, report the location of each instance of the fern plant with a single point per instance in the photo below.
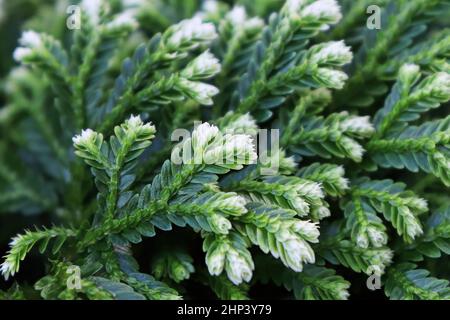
(357, 176)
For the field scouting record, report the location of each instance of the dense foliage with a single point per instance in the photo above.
(355, 186)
